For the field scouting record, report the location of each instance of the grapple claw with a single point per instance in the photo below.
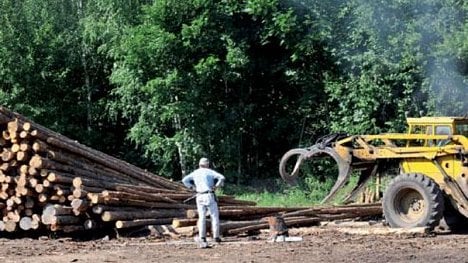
(315, 151)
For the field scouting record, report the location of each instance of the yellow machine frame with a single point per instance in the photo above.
(440, 157)
(433, 147)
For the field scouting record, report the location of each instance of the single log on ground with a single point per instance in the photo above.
(24, 134)
(225, 226)
(6, 136)
(65, 220)
(14, 126)
(229, 201)
(40, 146)
(90, 224)
(25, 146)
(15, 147)
(233, 212)
(23, 169)
(148, 214)
(29, 202)
(22, 156)
(62, 190)
(97, 199)
(14, 215)
(32, 171)
(81, 181)
(8, 155)
(58, 198)
(99, 209)
(289, 222)
(60, 178)
(10, 226)
(142, 222)
(183, 222)
(26, 223)
(66, 228)
(42, 198)
(355, 210)
(36, 219)
(79, 205)
(51, 210)
(79, 193)
(146, 189)
(142, 197)
(39, 188)
(117, 186)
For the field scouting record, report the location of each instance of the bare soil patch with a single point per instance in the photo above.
(320, 244)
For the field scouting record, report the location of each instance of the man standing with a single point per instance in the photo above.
(205, 181)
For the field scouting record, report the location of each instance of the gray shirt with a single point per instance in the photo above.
(203, 179)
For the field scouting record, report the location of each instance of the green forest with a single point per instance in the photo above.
(162, 83)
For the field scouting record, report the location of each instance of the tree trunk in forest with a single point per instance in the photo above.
(239, 159)
(180, 145)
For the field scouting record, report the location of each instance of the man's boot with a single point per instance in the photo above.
(202, 243)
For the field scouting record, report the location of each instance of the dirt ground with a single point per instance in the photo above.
(319, 244)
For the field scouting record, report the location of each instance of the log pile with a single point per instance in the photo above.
(245, 219)
(50, 182)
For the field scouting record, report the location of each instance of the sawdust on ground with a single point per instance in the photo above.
(319, 244)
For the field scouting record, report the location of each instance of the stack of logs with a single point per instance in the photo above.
(244, 219)
(52, 183)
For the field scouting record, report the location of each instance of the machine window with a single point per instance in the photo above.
(462, 129)
(418, 129)
(443, 130)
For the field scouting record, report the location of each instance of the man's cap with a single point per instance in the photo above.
(204, 161)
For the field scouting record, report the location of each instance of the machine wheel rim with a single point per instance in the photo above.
(410, 205)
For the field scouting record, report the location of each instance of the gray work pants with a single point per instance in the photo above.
(207, 202)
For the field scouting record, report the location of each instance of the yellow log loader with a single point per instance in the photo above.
(431, 161)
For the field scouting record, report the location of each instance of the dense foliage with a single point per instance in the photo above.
(162, 83)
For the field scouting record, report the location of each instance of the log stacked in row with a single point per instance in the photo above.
(48, 181)
(244, 219)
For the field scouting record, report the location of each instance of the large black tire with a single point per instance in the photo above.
(293, 156)
(452, 221)
(413, 200)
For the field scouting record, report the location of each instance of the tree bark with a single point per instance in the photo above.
(142, 222)
(149, 214)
